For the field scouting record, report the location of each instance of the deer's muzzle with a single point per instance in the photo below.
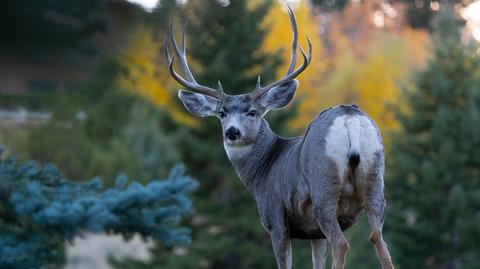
(232, 133)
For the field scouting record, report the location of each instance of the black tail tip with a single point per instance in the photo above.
(353, 160)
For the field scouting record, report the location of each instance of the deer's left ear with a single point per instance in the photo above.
(279, 96)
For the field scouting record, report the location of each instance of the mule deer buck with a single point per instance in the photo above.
(310, 187)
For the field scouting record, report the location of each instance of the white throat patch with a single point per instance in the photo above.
(237, 152)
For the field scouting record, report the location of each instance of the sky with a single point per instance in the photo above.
(147, 4)
(472, 15)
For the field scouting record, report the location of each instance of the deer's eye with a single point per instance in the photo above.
(252, 113)
(222, 114)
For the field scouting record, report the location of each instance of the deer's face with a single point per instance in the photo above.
(240, 119)
(240, 115)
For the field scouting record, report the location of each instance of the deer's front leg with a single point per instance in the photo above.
(282, 247)
(273, 219)
(319, 253)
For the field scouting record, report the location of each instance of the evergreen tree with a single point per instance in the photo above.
(328, 5)
(421, 13)
(40, 210)
(225, 41)
(434, 187)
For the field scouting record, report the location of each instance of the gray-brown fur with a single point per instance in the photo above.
(279, 170)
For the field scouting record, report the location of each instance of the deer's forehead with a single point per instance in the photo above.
(237, 103)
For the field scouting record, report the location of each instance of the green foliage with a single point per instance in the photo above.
(162, 14)
(144, 137)
(330, 4)
(434, 187)
(226, 44)
(98, 129)
(40, 210)
(108, 116)
(420, 14)
(39, 101)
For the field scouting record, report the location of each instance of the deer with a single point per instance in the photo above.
(311, 187)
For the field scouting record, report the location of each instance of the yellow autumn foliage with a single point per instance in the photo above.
(280, 37)
(364, 64)
(146, 73)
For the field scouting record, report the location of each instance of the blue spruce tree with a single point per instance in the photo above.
(40, 211)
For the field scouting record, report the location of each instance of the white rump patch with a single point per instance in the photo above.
(356, 133)
(353, 126)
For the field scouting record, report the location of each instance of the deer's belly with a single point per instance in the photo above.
(311, 230)
(315, 232)
(303, 224)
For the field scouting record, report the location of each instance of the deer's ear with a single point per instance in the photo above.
(279, 96)
(199, 104)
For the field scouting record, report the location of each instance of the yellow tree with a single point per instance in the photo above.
(146, 73)
(279, 37)
(368, 54)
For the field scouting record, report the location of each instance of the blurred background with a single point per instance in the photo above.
(84, 85)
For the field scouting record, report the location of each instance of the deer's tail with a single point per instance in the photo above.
(353, 127)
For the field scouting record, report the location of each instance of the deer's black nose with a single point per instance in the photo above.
(232, 133)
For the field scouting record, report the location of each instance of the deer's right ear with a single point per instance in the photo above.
(279, 96)
(199, 104)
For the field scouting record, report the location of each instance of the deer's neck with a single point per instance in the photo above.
(250, 161)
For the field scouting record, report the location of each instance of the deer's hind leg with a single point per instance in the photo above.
(325, 192)
(375, 207)
(326, 211)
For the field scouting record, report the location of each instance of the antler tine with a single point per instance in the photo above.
(194, 86)
(291, 73)
(166, 52)
(189, 82)
(184, 42)
(258, 83)
(220, 88)
(293, 56)
(181, 54)
(309, 49)
(306, 62)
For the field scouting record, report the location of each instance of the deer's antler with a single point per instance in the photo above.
(291, 72)
(189, 82)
